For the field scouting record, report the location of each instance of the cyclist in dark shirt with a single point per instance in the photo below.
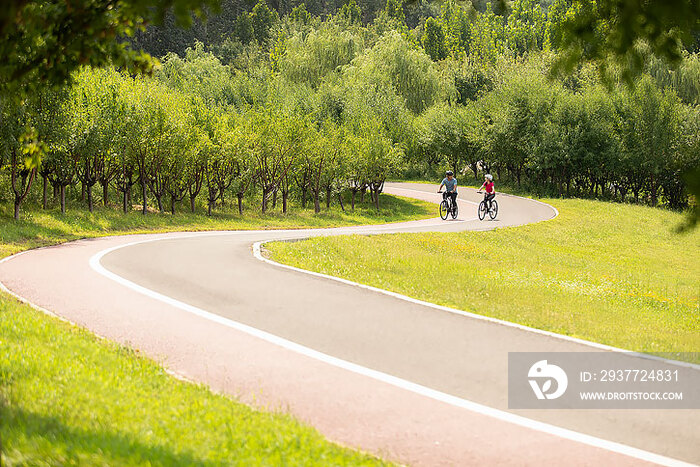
(450, 184)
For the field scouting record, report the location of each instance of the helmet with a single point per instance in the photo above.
(489, 177)
(449, 172)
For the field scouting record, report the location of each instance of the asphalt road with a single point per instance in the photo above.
(454, 354)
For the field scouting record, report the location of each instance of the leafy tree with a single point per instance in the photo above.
(44, 41)
(350, 13)
(244, 28)
(394, 9)
(20, 147)
(434, 40)
(310, 57)
(300, 15)
(451, 133)
(609, 32)
(456, 23)
(263, 19)
(526, 27)
(409, 72)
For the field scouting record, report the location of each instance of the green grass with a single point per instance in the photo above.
(610, 273)
(69, 398)
(40, 228)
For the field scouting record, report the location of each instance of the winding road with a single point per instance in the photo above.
(405, 380)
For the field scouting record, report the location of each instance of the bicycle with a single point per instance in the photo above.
(447, 207)
(483, 209)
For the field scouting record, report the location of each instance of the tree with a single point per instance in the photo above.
(393, 63)
(263, 19)
(275, 150)
(456, 22)
(609, 32)
(350, 13)
(244, 28)
(394, 9)
(434, 40)
(44, 41)
(450, 132)
(311, 56)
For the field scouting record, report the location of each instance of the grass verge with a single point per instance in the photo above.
(69, 398)
(610, 273)
(39, 227)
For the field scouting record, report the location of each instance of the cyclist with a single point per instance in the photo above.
(490, 190)
(450, 184)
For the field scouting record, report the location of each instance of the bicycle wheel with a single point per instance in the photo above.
(494, 209)
(482, 211)
(455, 211)
(444, 208)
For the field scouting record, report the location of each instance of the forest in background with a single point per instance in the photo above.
(313, 101)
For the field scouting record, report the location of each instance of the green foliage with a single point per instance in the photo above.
(451, 134)
(456, 21)
(244, 28)
(263, 19)
(566, 136)
(526, 25)
(394, 9)
(310, 57)
(609, 33)
(434, 40)
(409, 72)
(300, 15)
(46, 40)
(350, 12)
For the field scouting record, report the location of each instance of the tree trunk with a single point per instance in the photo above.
(340, 200)
(328, 197)
(303, 198)
(172, 204)
(352, 202)
(274, 199)
(143, 193)
(82, 191)
(63, 199)
(125, 200)
(105, 193)
(240, 203)
(654, 188)
(285, 196)
(43, 201)
(192, 198)
(89, 197)
(265, 194)
(17, 203)
(317, 202)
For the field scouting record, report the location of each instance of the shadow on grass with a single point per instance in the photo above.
(97, 447)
